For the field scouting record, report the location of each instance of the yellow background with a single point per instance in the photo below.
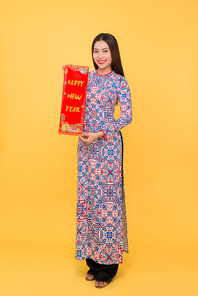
(159, 45)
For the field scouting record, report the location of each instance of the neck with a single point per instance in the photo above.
(104, 71)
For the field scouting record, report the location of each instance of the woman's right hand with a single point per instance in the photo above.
(63, 68)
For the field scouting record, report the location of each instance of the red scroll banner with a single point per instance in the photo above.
(73, 100)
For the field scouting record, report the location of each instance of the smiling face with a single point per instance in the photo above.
(102, 57)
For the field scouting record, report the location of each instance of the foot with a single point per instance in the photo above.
(100, 284)
(89, 277)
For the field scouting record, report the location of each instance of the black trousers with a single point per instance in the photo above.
(102, 272)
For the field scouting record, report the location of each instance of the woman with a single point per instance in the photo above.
(101, 234)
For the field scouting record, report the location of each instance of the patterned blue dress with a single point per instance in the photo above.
(101, 230)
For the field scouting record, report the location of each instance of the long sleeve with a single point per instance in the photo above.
(124, 97)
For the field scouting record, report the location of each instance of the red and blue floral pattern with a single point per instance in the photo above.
(101, 232)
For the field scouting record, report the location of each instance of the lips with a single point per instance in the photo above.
(101, 62)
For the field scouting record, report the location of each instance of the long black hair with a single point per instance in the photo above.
(114, 49)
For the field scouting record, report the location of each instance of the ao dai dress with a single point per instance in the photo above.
(101, 230)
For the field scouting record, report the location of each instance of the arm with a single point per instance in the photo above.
(124, 97)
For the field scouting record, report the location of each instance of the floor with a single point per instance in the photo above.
(42, 271)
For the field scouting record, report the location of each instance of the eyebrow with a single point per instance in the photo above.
(102, 48)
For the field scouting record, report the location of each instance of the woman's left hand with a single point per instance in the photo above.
(90, 137)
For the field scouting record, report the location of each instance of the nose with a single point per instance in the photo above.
(100, 54)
